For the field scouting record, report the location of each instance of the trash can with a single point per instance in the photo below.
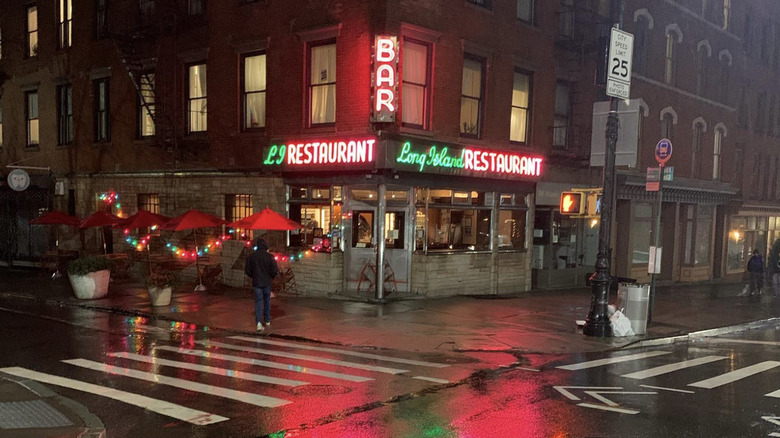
(636, 306)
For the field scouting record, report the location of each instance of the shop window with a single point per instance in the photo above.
(364, 195)
(146, 104)
(397, 196)
(322, 83)
(511, 229)
(196, 98)
(736, 246)
(32, 32)
(704, 215)
(416, 90)
(102, 110)
(363, 229)
(31, 114)
(472, 96)
(254, 86)
(394, 230)
(321, 220)
(640, 238)
(458, 229)
(238, 207)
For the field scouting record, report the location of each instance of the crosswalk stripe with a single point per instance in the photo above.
(172, 410)
(612, 360)
(735, 375)
(430, 379)
(303, 357)
(211, 370)
(266, 364)
(346, 353)
(245, 397)
(775, 394)
(657, 371)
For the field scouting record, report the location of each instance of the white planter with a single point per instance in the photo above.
(91, 286)
(159, 296)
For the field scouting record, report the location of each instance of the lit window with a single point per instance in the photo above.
(146, 105)
(471, 98)
(322, 83)
(65, 114)
(415, 93)
(521, 98)
(196, 98)
(102, 110)
(561, 121)
(525, 10)
(149, 202)
(31, 114)
(670, 60)
(238, 207)
(65, 23)
(32, 31)
(719, 134)
(254, 91)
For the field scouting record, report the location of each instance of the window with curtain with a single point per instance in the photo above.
(64, 23)
(471, 101)
(667, 122)
(561, 120)
(146, 105)
(525, 10)
(521, 98)
(31, 115)
(254, 90)
(196, 98)
(32, 32)
(701, 71)
(670, 59)
(415, 89)
(65, 114)
(238, 207)
(101, 19)
(322, 83)
(698, 132)
(102, 112)
(716, 154)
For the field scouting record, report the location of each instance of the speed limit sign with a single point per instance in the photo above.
(621, 48)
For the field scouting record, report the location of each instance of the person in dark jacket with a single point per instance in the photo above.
(262, 269)
(755, 269)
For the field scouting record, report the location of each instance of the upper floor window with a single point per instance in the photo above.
(760, 125)
(101, 19)
(32, 32)
(521, 100)
(562, 112)
(254, 90)
(698, 133)
(196, 7)
(743, 110)
(472, 96)
(65, 114)
(102, 110)
(322, 83)
(65, 23)
(670, 60)
(525, 10)
(146, 104)
(483, 3)
(146, 11)
(566, 20)
(701, 70)
(723, 80)
(716, 151)
(416, 89)
(196, 98)
(31, 116)
(640, 45)
(603, 7)
(667, 122)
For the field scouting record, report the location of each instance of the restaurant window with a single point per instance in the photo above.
(561, 120)
(521, 98)
(101, 19)
(32, 32)
(65, 23)
(640, 238)
(472, 98)
(416, 90)
(146, 104)
(102, 110)
(319, 210)
(322, 82)
(65, 114)
(395, 226)
(238, 207)
(196, 98)
(254, 85)
(736, 259)
(455, 220)
(31, 115)
(149, 202)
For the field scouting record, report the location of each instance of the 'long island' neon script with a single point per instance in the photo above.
(324, 152)
(472, 159)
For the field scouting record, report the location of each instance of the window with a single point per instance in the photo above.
(716, 151)
(322, 83)
(149, 202)
(603, 7)
(736, 245)
(698, 132)
(667, 122)
(146, 11)
(1, 126)
(562, 111)
(65, 114)
(196, 7)
(319, 210)
(525, 10)
(640, 238)
(521, 99)
(739, 150)
(566, 20)
(771, 127)
(640, 45)
(670, 60)
(764, 49)
(743, 111)
(101, 19)
(701, 71)
(455, 220)
(254, 90)
(723, 80)
(146, 104)
(472, 88)
(726, 14)
(31, 115)
(747, 37)
(760, 124)
(65, 23)
(483, 3)
(238, 207)
(416, 90)
(697, 227)
(196, 98)
(32, 31)
(102, 110)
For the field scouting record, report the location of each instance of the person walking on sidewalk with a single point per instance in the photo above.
(262, 269)
(755, 267)
(776, 279)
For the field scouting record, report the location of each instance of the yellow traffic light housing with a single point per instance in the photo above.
(572, 203)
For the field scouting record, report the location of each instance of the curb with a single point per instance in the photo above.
(704, 333)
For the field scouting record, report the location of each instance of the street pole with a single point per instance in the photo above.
(656, 240)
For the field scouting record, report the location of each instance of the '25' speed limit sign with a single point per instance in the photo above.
(621, 48)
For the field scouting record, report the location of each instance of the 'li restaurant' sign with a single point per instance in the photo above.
(384, 77)
(322, 155)
(468, 161)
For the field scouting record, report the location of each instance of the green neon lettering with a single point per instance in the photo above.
(433, 157)
(269, 159)
(282, 150)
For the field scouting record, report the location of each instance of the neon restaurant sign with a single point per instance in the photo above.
(322, 153)
(384, 79)
(442, 159)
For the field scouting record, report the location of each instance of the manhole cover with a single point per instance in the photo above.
(31, 414)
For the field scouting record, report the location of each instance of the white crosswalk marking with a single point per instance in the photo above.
(266, 364)
(303, 357)
(775, 394)
(172, 410)
(612, 360)
(735, 375)
(342, 352)
(254, 399)
(211, 370)
(657, 371)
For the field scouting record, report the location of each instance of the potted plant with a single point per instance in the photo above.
(89, 277)
(159, 285)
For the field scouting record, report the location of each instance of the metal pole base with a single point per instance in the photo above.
(200, 288)
(597, 322)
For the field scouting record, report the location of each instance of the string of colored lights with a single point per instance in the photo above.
(111, 198)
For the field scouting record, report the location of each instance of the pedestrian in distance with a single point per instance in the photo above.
(755, 267)
(262, 269)
(776, 279)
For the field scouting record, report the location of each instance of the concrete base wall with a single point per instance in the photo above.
(468, 273)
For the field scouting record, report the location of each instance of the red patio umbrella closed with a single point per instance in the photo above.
(191, 220)
(100, 219)
(266, 220)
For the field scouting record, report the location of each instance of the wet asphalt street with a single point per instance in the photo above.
(212, 383)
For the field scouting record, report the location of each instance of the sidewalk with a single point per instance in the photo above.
(534, 322)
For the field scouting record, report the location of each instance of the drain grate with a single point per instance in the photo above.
(31, 414)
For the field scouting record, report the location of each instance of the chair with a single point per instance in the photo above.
(211, 275)
(285, 282)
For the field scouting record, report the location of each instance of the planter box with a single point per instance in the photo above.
(91, 286)
(159, 296)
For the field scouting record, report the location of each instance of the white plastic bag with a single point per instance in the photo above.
(621, 325)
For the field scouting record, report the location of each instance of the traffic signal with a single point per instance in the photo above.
(572, 203)
(593, 207)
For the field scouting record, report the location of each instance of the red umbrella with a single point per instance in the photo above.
(100, 219)
(266, 220)
(143, 219)
(56, 217)
(191, 220)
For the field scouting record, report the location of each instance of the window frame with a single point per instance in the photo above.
(29, 119)
(531, 6)
(101, 19)
(670, 59)
(427, 86)
(64, 23)
(238, 206)
(310, 86)
(527, 109)
(245, 94)
(480, 99)
(190, 100)
(101, 109)
(32, 41)
(65, 114)
(558, 115)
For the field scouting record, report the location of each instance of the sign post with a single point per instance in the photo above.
(663, 153)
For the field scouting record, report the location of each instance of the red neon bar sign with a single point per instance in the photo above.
(318, 153)
(384, 79)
